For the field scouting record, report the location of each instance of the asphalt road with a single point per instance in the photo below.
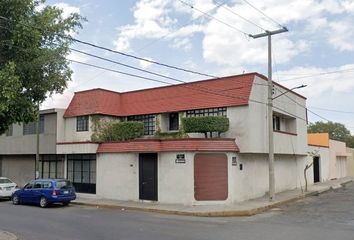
(328, 216)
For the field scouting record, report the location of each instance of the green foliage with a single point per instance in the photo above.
(108, 131)
(205, 124)
(32, 57)
(336, 131)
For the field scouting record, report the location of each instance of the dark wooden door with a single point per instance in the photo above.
(316, 169)
(148, 176)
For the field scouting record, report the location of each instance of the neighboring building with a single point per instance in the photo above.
(332, 162)
(192, 170)
(350, 162)
(18, 149)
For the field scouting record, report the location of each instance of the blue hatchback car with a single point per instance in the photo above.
(45, 192)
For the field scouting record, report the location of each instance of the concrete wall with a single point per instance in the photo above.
(350, 162)
(336, 149)
(19, 168)
(26, 144)
(118, 177)
(248, 124)
(253, 180)
(323, 154)
(70, 133)
(73, 148)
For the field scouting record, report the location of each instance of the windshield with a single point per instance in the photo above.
(5, 180)
(64, 185)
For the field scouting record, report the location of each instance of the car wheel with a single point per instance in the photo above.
(66, 203)
(43, 202)
(15, 200)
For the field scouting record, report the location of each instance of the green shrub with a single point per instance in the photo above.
(118, 131)
(204, 125)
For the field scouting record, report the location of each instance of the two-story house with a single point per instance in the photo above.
(18, 147)
(193, 169)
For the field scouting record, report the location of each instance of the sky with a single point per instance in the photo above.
(212, 37)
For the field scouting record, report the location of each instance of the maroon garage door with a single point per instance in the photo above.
(210, 177)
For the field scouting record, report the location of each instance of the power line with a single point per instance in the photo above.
(319, 74)
(333, 110)
(212, 17)
(117, 52)
(261, 12)
(245, 19)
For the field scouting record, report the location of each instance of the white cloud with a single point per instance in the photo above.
(336, 80)
(145, 64)
(67, 9)
(341, 35)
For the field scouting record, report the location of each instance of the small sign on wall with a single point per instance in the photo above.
(234, 161)
(180, 159)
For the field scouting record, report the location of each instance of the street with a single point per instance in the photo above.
(328, 216)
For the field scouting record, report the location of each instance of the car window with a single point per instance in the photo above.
(46, 185)
(37, 185)
(63, 184)
(28, 186)
(5, 180)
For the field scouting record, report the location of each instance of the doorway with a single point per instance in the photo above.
(148, 176)
(316, 169)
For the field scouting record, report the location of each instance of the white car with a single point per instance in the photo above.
(7, 187)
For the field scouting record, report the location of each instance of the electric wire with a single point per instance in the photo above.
(115, 51)
(216, 19)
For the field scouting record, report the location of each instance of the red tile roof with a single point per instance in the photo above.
(219, 92)
(170, 145)
(179, 97)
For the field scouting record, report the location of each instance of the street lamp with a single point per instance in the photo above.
(302, 86)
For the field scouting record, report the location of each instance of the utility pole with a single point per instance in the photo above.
(37, 146)
(270, 108)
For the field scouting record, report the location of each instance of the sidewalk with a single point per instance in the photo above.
(7, 236)
(246, 208)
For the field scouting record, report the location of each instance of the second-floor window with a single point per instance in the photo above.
(173, 121)
(276, 123)
(82, 123)
(148, 120)
(207, 112)
(31, 127)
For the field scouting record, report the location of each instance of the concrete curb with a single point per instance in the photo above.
(7, 235)
(226, 213)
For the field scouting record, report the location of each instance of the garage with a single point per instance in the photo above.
(341, 166)
(210, 177)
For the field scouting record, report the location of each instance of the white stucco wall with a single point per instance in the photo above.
(77, 148)
(70, 133)
(253, 180)
(118, 176)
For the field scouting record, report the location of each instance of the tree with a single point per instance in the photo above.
(33, 54)
(336, 131)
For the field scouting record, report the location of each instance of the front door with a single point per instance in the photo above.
(148, 176)
(316, 169)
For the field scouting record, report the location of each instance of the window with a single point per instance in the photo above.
(148, 120)
(207, 112)
(276, 123)
(51, 166)
(82, 172)
(30, 128)
(82, 123)
(9, 131)
(173, 121)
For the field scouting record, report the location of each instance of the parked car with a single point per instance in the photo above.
(7, 187)
(45, 192)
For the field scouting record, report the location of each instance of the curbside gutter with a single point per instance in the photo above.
(225, 213)
(7, 235)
